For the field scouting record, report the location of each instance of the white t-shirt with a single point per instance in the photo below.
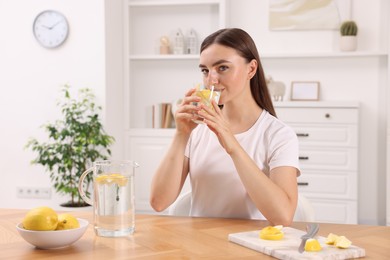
(217, 190)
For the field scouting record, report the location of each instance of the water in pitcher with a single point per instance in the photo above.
(114, 210)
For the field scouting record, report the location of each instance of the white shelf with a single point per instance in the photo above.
(151, 132)
(282, 55)
(165, 57)
(172, 2)
(317, 104)
(267, 55)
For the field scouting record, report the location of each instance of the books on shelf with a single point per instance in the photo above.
(162, 115)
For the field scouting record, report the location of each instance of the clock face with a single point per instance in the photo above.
(50, 28)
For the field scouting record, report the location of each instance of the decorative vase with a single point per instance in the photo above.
(348, 43)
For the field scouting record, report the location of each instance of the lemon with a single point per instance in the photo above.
(272, 233)
(342, 242)
(312, 245)
(331, 239)
(114, 178)
(67, 221)
(204, 93)
(40, 218)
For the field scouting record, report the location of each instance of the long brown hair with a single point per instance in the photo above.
(243, 43)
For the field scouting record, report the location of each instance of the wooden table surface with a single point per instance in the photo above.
(168, 237)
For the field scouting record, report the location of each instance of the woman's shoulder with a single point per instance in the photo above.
(274, 125)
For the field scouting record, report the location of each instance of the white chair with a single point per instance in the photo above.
(304, 211)
(182, 206)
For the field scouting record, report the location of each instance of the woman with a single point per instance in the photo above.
(243, 161)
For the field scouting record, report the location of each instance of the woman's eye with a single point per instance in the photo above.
(223, 68)
(204, 71)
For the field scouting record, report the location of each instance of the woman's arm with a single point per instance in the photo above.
(275, 197)
(170, 175)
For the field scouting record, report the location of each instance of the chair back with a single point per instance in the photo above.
(304, 211)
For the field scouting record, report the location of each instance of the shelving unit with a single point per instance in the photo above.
(152, 78)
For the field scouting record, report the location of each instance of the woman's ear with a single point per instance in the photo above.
(252, 66)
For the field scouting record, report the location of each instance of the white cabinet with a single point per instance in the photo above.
(152, 78)
(147, 147)
(328, 140)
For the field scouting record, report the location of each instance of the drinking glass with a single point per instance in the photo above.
(206, 95)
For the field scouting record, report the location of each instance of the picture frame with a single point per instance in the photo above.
(305, 90)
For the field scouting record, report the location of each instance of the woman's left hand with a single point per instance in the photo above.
(217, 123)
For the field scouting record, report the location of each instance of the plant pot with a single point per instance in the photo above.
(348, 43)
(69, 204)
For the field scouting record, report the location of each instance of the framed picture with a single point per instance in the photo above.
(305, 90)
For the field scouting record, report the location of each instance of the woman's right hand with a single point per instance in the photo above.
(186, 112)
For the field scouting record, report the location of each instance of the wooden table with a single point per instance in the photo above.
(167, 237)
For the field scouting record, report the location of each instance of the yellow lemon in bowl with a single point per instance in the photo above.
(40, 219)
(272, 233)
(67, 221)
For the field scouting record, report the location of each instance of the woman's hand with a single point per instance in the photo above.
(186, 112)
(218, 124)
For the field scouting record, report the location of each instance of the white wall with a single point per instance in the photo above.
(31, 77)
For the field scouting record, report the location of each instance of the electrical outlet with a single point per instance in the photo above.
(33, 192)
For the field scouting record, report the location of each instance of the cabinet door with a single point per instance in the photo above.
(147, 152)
(335, 211)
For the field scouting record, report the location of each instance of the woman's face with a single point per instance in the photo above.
(224, 68)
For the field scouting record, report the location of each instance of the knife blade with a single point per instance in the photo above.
(312, 229)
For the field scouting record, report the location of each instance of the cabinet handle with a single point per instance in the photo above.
(302, 134)
(303, 184)
(303, 157)
(327, 115)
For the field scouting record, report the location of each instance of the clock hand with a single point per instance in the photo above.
(47, 27)
(54, 25)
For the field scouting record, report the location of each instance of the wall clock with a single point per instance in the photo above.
(50, 28)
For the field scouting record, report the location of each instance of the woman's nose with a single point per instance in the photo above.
(213, 78)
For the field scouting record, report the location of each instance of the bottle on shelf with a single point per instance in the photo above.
(178, 47)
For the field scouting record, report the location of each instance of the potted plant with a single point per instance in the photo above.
(74, 142)
(348, 40)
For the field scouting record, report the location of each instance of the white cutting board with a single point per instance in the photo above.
(287, 248)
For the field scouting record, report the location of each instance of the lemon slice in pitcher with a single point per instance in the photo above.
(114, 178)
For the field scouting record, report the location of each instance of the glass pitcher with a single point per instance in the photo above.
(113, 197)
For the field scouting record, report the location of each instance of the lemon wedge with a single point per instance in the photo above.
(114, 178)
(338, 241)
(342, 242)
(312, 245)
(272, 233)
(331, 239)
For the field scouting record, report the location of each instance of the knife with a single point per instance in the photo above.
(312, 229)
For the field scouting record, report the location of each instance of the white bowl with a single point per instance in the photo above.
(53, 239)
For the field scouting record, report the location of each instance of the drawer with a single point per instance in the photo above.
(324, 158)
(334, 185)
(318, 115)
(333, 135)
(335, 211)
